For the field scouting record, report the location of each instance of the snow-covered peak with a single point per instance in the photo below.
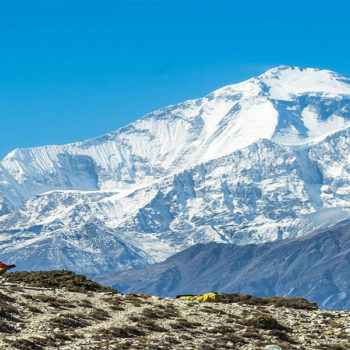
(216, 168)
(288, 105)
(286, 81)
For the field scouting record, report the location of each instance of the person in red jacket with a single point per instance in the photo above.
(4, 268)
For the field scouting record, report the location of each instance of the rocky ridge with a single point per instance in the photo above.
(36, 318)
(314, 266)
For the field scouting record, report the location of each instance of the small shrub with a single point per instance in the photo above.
(134, 318)
(221, 329)
(68, 321)
(331, 347)
(27, 296)
(23, 344)
(265, 321)
(184, 324)
(61, 337)
(118, 332)
(57, 303)
(336, 325)
(53, 340)
(152, 313)
(221, 342)
(98, 314)
(210, 310)
(150, 325)
(6, 298)
(45, 298)
(33, 309)
(6, 328)
(173, 340)
(135, 299)
(116, 304)
(170, 311)
(158, 313)
(281, 335)
(85, 303)
(7, 311)
(117, 307)
(185, 337)
(43, 341)
(139, 295)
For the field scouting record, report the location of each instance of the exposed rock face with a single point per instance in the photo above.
(46, 319)
(315, 267)
(258, 161)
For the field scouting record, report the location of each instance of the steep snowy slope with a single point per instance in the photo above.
(261, 160)
(289, 105)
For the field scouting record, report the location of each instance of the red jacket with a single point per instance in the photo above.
(4, 265)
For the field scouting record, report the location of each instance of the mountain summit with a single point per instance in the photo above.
(257, 161)
(288, 105)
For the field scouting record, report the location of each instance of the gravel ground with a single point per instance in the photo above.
(58, 319)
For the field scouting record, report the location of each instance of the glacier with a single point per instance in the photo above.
(263, 160)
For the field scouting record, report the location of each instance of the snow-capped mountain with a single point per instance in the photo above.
(262, 160)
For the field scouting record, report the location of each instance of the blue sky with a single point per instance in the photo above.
(74, 70)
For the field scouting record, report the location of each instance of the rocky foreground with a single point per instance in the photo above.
(61, 310)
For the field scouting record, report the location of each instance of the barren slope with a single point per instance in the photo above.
(47, 319)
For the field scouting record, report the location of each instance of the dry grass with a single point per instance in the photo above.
(118, 332)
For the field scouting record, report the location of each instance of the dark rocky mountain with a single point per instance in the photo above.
(315, 266)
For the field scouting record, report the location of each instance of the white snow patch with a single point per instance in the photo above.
(284, 82)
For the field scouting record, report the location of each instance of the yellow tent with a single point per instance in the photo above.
(207, 297)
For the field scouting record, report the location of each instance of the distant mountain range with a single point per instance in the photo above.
(263, 160)
(315, 267)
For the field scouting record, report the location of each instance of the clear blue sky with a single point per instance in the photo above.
(74, 70)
